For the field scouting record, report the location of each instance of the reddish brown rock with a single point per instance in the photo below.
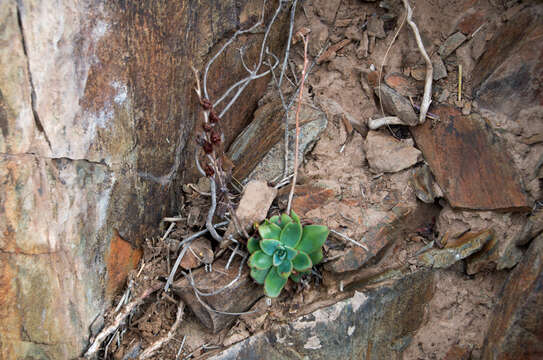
(516, 329)
(469, 163)
(509, 74)
(199, 253)
(121, 258)
(404, 85)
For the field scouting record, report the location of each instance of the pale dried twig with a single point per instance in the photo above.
(297, 144)
(427, 97)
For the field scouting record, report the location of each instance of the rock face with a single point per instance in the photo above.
(378, 324)
(516, 330)
(465, 156)
(95, 113)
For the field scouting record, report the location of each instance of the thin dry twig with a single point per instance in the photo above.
(384, 61)
(427, 97)
(150, 351)
(297, 144)
(119, 319)
(345, 237)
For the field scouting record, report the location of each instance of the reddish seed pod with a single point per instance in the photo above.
(213, 117)
(206, 104)
(209, 170)
(207, 127)
(215, 137)
(208, 148)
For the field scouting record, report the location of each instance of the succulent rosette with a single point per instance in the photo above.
(285, 249)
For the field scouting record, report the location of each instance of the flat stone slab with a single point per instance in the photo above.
(377, 324)
(469, 162)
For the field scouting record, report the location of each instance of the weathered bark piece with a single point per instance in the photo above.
(469, 163)
(374, 324)
(239, 297)
(516, 329)
(467, 245)
(377, 238)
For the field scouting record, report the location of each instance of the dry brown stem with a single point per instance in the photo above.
(297, 143)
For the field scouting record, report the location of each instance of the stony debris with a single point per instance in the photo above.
(440, 71)
(327, 9)
(199, 252)
(516, 330)
(395, 104)
(376, 27)
(425, 187)
(498, 253)
(451, 44)
(465, 246)
(532, 228)
(375, 239)
(253, 207)
(404, 85)
(465, 156)
(387, 154)
(238, 297)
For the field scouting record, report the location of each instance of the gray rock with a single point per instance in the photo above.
(395, 104)
(272, 165)
(468, 245)
(383, 320)
(440, 71)
(516, 329)
(451, 44)
(387, 154)
(376, 27)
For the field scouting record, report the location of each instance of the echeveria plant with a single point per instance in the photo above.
(285, 249)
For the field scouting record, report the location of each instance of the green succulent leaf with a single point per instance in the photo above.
(279, 256)
(274, 283)
(313, 238)
(259, 275)
(291, 252)
(316, 257)
(285, 219)
(285, 268)
(275, 220)
(252, 245)
(302, 262)
(269, 231)
(295, 217)
(269, 245)
(291, 234)
(260, 260)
